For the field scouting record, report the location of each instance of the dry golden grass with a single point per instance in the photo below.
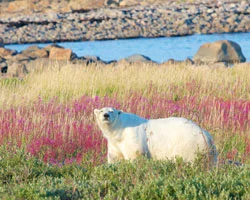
(67, 82)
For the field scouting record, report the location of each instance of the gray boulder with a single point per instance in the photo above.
(1, 42)
(220, 51)
(138, 58)
(35, 52)
(17, 70)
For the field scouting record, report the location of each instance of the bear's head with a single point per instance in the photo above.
(106, 116)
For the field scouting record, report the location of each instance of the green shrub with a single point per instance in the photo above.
(24, 177)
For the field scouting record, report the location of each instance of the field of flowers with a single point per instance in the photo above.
(52, 148)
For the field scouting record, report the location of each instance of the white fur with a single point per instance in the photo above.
(129, 135)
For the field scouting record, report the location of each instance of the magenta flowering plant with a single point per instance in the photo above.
(66, 133)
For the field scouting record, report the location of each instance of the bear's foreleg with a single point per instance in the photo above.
(112, 158)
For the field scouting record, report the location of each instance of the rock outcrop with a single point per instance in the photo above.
(35, 52)
(220, 51)
(61, 54)
(18, 64)
(5, 53)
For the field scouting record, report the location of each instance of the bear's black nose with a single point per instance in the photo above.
(106, 115)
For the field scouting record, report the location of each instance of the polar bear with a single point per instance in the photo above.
(130, 135)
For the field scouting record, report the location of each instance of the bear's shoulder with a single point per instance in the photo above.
(130, 119)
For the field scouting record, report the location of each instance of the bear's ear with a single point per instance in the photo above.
(96, 111)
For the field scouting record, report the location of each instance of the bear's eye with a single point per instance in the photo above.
(101, 111)
(111, 111)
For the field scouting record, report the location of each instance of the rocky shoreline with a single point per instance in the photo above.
(128, 22)
(223, 53)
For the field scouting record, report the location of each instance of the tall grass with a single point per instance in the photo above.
(50, 112)
(71, 82)
(51, 147)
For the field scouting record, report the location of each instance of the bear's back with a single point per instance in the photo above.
(174, 136)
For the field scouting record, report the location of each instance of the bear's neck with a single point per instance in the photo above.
(112, 132)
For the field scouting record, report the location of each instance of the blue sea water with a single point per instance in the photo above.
(158, 49)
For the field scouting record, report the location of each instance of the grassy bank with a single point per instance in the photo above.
(52, 148)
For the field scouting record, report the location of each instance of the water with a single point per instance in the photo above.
(158, 49)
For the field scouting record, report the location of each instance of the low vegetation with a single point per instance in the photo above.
(51, 147)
